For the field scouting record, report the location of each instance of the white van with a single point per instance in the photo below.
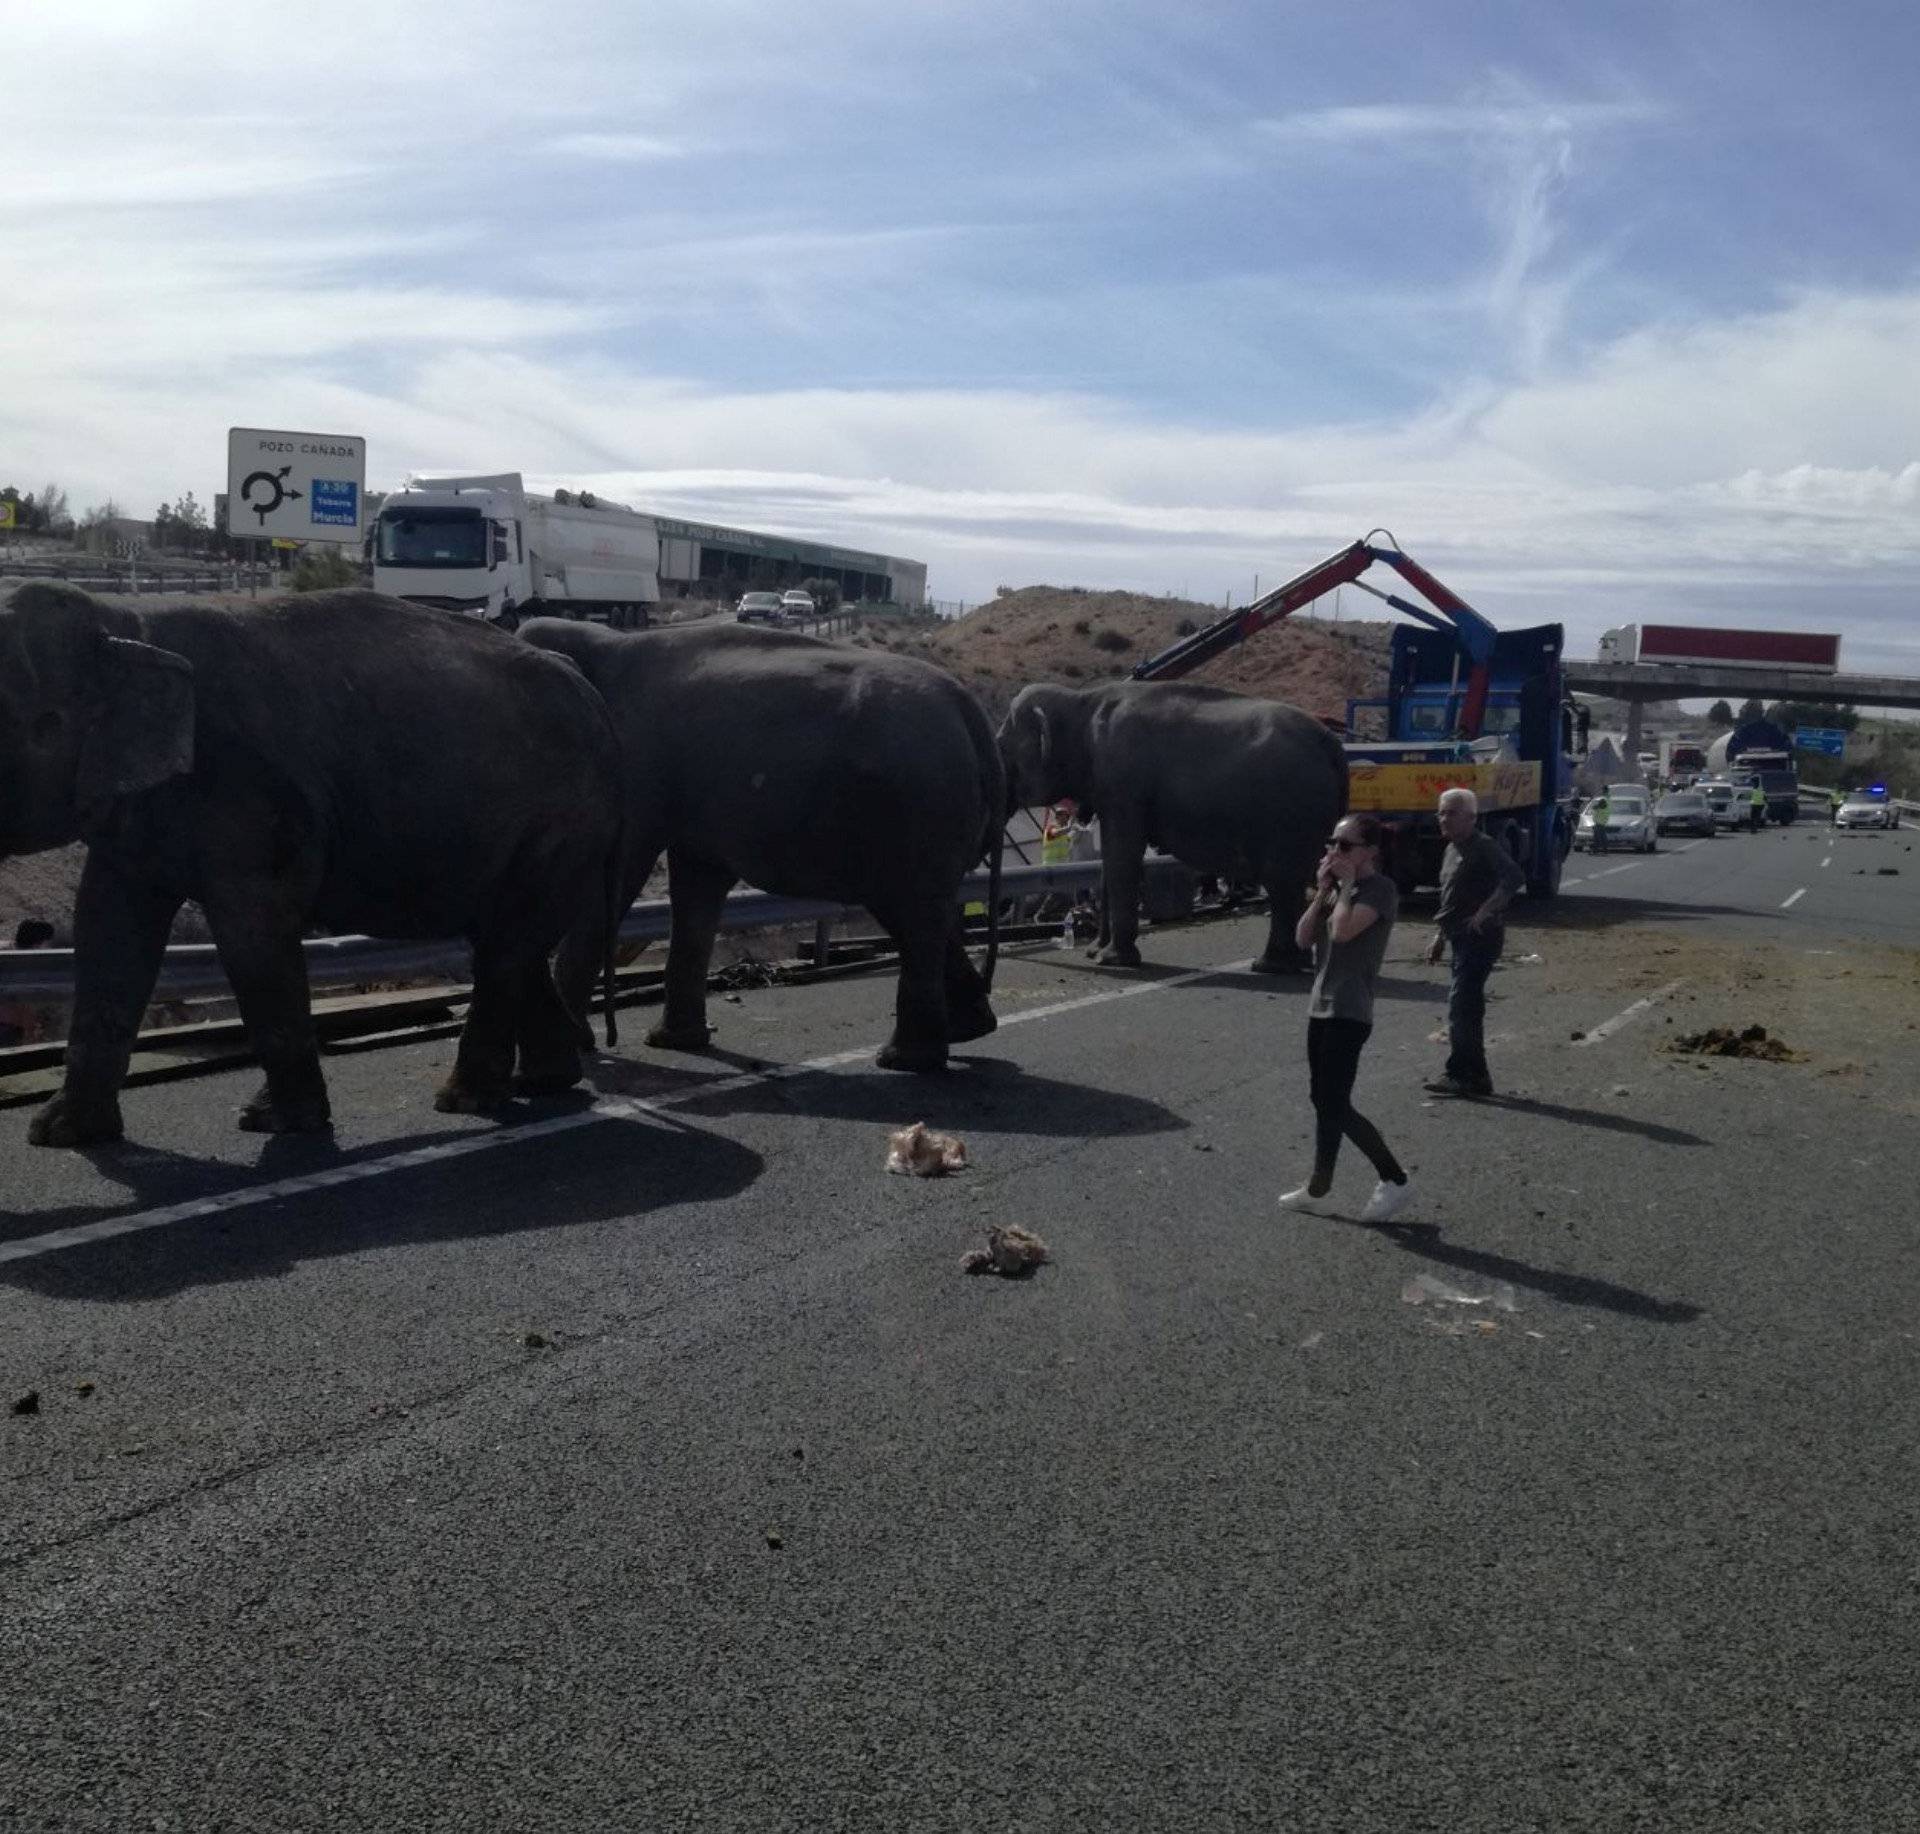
(1729, 805)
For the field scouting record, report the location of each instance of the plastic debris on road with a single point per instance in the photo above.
(922, 1154)
(1430, 1289)
(28, 1403)
(1011, 1252)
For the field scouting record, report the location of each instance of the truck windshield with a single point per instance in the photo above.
(432, 538)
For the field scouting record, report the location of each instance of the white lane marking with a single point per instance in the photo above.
(608, 1108)
(1573, 878)
(1688, 848)
(1611, 870)
(1607, 1027)
(1787, 904)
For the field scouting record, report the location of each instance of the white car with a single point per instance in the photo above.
(1729, 805)
(1866, 809)
(797, 607)
(1629, 825)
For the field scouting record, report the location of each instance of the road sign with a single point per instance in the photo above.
(6, 515)
(1831, 740)
(298, 486)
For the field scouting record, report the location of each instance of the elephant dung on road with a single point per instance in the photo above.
(336, 760)
(807, 769)
(1228, 783)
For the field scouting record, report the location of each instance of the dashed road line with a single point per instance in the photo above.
(1787, 903)
(1828, 861)
(1607, 1027)
(608, 1108)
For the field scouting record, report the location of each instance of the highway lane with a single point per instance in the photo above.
(1206, 1526)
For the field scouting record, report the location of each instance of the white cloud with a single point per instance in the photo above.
(620, 149)
(1386, 123)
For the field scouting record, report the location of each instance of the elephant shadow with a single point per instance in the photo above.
(981, 1094)
(613, 1170)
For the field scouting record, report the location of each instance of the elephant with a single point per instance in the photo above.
(333, 760)
(805, 768)
(1228, 783)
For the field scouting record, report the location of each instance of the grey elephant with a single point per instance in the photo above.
(335, 760)
(808, 769)
(1227, 783)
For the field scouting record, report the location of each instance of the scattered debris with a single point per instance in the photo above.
(916, 1151)
(1313, 1340)
(1724, 1041)
(28, 1403)
(1429, 1289)
(1576, 1036)
(775, 1539)
(536, 1340)
(1529, 958)
(1888, 872)
(732, 999)
(748, 971)
(83, 1388)
(1012, 1252)
(1621, 1089)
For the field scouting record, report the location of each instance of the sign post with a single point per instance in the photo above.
(1829, 741)
(295, 487)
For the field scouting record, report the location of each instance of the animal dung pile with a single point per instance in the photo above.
(919, 1153)
(1012, 1253)
(1724, 1041)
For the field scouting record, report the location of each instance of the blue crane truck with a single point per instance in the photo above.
(1466, 704)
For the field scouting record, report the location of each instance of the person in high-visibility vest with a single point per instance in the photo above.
(1056, 838)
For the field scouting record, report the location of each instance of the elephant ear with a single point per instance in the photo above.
(141, 732)
(1043, 737)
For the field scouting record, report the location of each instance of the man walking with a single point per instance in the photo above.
(1478, 879)
(1602, 814)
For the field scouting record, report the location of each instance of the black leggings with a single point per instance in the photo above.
(1333, 1061)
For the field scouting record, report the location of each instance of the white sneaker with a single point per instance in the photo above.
(1303, 1199)
(1387, 1201)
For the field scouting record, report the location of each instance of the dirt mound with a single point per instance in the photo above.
(1071, 635)
(1723, 1041)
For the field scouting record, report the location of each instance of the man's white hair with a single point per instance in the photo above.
(1460, 797)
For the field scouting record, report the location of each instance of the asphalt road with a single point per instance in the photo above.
(657, 1467)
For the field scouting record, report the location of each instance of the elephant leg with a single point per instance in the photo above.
(582, 951)
(1286, 890)
(921, 933)
(256, 928)
(969, 1012)
(698, 890)
(548, 1040)
(482, 1078)
(119, 934)
(1122, 866)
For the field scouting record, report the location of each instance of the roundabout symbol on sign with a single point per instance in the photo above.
(269, 481)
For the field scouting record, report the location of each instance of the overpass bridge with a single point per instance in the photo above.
(1637, 683)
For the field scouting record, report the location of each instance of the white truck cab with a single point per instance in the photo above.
(487, 548)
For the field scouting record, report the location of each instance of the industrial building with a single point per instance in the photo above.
(705, 560)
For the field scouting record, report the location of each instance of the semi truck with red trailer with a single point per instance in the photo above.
(1701, 646)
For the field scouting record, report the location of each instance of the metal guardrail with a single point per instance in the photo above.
(193, 969)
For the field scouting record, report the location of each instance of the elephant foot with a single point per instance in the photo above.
(63, 1122)
(918, 1058)
(680, 1037)
(1117, 955)
(1280, 964)
(969, 1022)
(264, 1116)
(463, 1098)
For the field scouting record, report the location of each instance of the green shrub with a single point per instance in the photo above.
(1112, 640)
(323, 570)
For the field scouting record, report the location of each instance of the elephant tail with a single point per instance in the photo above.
(616, 859)
(997, 849)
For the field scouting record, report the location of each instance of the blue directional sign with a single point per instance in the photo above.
(336, 502)
(1829, 739)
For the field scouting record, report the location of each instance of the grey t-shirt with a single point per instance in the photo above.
(1469, 875)
(1343, 986)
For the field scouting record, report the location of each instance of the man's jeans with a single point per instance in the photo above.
(1473, 957)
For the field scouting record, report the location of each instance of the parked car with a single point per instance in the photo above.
(1685, 812)
(1629, 825)
(759, 608)
(1866, 809)
(797, 607)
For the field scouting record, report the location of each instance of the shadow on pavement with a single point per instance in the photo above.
(1608, 910)
(616, 1170)
(982, 1094)
(1424, 1241)
(1587, 1117)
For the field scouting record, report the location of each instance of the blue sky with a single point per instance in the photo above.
(1606, 312)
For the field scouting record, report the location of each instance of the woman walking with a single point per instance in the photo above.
(1346, 926)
